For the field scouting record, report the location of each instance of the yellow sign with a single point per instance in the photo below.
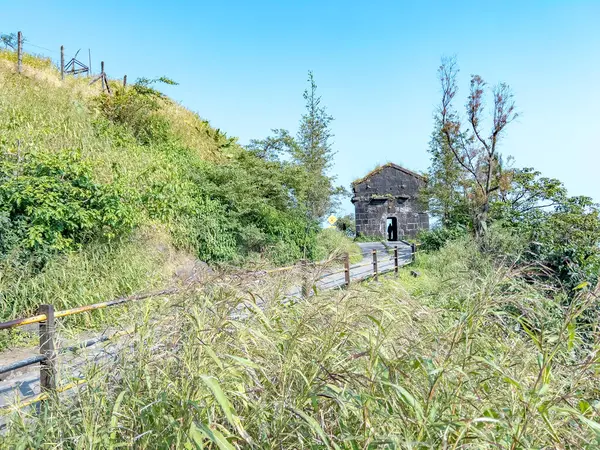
(332, 219)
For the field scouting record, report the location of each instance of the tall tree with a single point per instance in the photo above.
(311, 152)
(315, 154)
(272, 148)
(476, 151)
(446, 193)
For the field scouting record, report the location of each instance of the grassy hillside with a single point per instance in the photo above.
(88, 180)
(468, 355)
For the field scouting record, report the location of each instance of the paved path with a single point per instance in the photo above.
(335, 278)
(25, 382)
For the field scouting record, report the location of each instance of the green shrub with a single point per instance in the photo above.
(347, 225)
(136, 107)
(49, 202)
(436, 238)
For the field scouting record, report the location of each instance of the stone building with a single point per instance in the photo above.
(387, 199)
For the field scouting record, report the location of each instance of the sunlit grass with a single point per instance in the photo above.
(455, 359)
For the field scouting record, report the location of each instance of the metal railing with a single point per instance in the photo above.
(46, 316)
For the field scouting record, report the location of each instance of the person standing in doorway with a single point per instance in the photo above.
(390, 230)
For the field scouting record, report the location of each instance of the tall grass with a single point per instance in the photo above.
(332, 243)
(98, 273)
(466, 356)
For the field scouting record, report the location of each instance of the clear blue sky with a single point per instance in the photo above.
(243, 65)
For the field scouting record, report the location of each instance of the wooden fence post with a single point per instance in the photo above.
(19, 52)
(62, 62)
(375, 274)
(47, 348)
(305, 283)
(413, 252)
(102, 75)
(347, 269)
(396, 260)
(124, 80)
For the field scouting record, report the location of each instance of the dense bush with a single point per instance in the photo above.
(436, 238)
(49, 202)
(347, 225)
(225, 211)
(136, 107)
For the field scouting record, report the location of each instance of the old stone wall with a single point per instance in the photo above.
(389, 192)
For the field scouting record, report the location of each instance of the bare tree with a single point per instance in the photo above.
(474, 150)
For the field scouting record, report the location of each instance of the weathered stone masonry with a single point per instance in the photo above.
(389, 192)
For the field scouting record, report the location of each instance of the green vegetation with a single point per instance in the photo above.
(333, 243)
(494, 344)
(347, 225)
(311, 151)
(473, 188)
(81, 171)
(468, 355)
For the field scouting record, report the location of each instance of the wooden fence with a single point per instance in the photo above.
(73, 66)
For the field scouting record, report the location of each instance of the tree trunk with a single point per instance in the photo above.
(481, 220)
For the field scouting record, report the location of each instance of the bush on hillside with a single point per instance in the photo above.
(135, 107)
(49, 202)
(219, 201)
(222, 212)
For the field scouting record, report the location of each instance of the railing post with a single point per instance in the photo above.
(103, 76)
(375, 274)
(47, 348)
(347, 269)
(396, 260)
(19, 52)
(305, 283)
(62, 62)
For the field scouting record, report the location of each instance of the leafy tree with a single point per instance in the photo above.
(314, 152)
(446, 190)
(311, 151)
(526, 193)
(347, 225)
(470, 184)
(567, 241)
(475, 151)
(272, 148)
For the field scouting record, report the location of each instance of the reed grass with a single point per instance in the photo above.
(468, 355)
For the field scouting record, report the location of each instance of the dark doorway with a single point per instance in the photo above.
(391, 227)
